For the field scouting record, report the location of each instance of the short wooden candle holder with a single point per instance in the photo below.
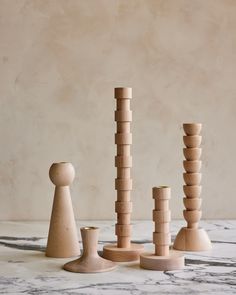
(124, 250)
(90, 261)
(163, 259)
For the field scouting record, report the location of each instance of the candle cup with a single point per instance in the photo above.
(90, 261)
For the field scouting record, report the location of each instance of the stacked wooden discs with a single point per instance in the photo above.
(192, 237)
(163, 258)
(123, 162)
(124, 251)
(162, 218)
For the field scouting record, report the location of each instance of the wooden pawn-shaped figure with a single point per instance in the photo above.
(192, 237)
(62, 237)
(124, 250)
(163, 259)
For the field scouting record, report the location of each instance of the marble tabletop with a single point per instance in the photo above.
(24, 269)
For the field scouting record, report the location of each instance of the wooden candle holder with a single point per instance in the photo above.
(163, 258)
(90, 261)
(192, 238)
(62, 237)
(124, 250)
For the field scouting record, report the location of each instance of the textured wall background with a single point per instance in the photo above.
(60, 60)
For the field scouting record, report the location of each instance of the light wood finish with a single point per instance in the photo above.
(173, 261)
(163, 259)
(121, 254)
(192, 141)
(123, 250)
(192, 238)
(192, 128)
(192, 178)
(90, 261)
(192, 154)
(192, 191)
(192, 166)
(62, 237)
(192, 203)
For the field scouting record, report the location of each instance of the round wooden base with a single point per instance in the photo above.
(191, 239)
(89, 265)
(113, 253)
(174, 261)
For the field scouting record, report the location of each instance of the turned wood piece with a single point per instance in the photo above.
(90, 261)
(124, 250)
(163, 258)
(192, 238)
(62, 237)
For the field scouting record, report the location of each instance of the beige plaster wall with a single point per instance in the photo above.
(60, 60)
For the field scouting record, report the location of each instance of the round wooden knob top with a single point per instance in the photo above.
(62, 174)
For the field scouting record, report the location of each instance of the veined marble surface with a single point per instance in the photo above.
(24, 269)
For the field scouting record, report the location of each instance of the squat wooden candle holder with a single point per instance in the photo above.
(90, 261)
(124, 250)
(163, 259)
(192, 238)
(62, 237)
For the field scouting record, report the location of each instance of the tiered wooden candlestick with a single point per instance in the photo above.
(192, 238)
(124, 250)
(163, 258)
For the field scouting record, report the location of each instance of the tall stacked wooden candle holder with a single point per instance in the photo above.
(124, 250)
(192, 238)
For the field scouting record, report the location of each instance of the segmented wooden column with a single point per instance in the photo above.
(163, 258)
(162, 218)
(123, 162)
(124, 250)
(192, 237)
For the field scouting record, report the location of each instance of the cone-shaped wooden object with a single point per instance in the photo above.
(192, 238)
(124, 250)
(62, 236)
(163, 259)
(90, 261)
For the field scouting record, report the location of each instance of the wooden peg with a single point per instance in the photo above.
(62, 237)
(163, 258)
